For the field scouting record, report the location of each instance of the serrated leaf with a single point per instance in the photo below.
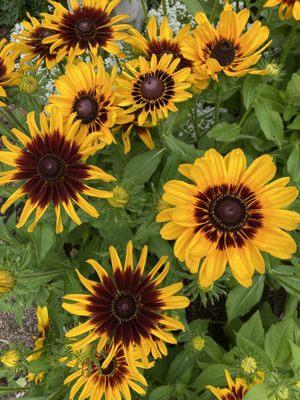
(212, 375)
(249, 89)
(270, 122)
(295, 355)
(293, 89)
(224, 132)
(293, 162)
(43, 237)
(240, 300)
(257, 392)
(162, 393)
(253, 329)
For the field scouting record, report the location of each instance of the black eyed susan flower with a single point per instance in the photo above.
(10, 358)
(7, 66)
(153, 87)
(95, 382)
(88, 27)
(7, 281)
(235, 390)
(224, 47)
(88, 90)
(287, 8)
(160, 41)
(228, 215)
(30, 44)
(51, 169)
(43, 323)
(127, 307)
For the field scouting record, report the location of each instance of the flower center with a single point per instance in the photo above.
(51, 167)
(125, 307)
(45, 33)
(85, 28)
(110, 368)
(223, 52)
(229, 212)
(152, 88)
(86, 108)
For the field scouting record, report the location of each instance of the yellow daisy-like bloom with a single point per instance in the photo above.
(31, 45)
(153, 87)
(43, 323)
(225, 48)
(7, 281)
(51, 169)
(110, 383)
(228, 214)
(235, 390)
(10, 358)
(7, 66)
(287, 8)
(162, 41)
(127, 307)
(88, 90)
(88, 27)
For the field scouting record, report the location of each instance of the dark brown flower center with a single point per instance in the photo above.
(229, 212)
(152, 88)
(86, 108)
(51, 167)
(125, 307)
(223, 52)
(45, 33)
(110, 368)
(85, 28)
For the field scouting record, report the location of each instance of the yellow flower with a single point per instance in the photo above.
(120, 197)
(225, 48)
(134, 306)
(153, 87)
(88, 90)
(7, 281)
(143, 132)
(228, 214)
(113, 381)
(7, 66)
(43, 322)
(10, 358)
(235, 390)
(51, 167)
(287, 9)
(30, 44)
(198, 343)
(88, 27)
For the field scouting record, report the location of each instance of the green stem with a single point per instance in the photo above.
(44, 274)
(164, 5)
(289, 45)
(9, 115)
(11, 390)
(218, 100)
(145, 9)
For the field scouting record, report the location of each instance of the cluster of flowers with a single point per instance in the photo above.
(225, 216)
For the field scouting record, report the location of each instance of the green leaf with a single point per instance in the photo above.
(43, 236)
(186, 151)
(257, 392)
(193, 6)
(212, 375)
(240, 300)
(224, 132)
(249, 89)
(295, 355)
(293, 89)
(179, 365)
(141, 167)
(289, 278)
(295, 124)
(270, 122)
(277, 345)
(247, 345)
(162, 393)
(293, 162)
(253, 329)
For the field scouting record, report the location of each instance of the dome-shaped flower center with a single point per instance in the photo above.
(85, 28)
(125, 307)
(51, 167)
(223, 52)
(229, 211)
(86, 108)
(152, 88)
(45, 33)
